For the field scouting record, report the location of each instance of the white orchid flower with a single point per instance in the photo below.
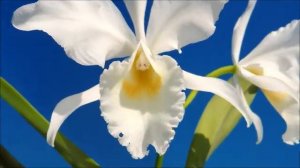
(141, 97)
(272, 66)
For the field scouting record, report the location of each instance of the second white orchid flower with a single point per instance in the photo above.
(141, 97)
(272, 66)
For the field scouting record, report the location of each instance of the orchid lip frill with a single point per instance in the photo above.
(272, 66)
(141, 97)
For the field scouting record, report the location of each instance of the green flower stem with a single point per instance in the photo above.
(230, 69)
(7, 160)
(65, 147)
(159, 161)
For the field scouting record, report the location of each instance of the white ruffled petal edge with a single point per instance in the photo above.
(288, 109)
(147, 120)
(291, 116)
(66, 107)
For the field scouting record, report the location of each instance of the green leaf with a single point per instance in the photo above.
(65, 147)
(217, 121)
(7, 160)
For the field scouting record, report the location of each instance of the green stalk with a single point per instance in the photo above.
(72, 154)
(230, 69)
(7, 160)
(159, 161)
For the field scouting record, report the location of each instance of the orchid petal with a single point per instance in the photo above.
(222, 89)
(138, 120)
(278, 56)
(67, 106)
(256, 119)
(175, 24)
(89, 31)
(268, 83)
(288, 108)
(137, 11)
(239, 31)
(274, 67)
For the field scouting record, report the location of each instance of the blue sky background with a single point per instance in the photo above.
(41, 71)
